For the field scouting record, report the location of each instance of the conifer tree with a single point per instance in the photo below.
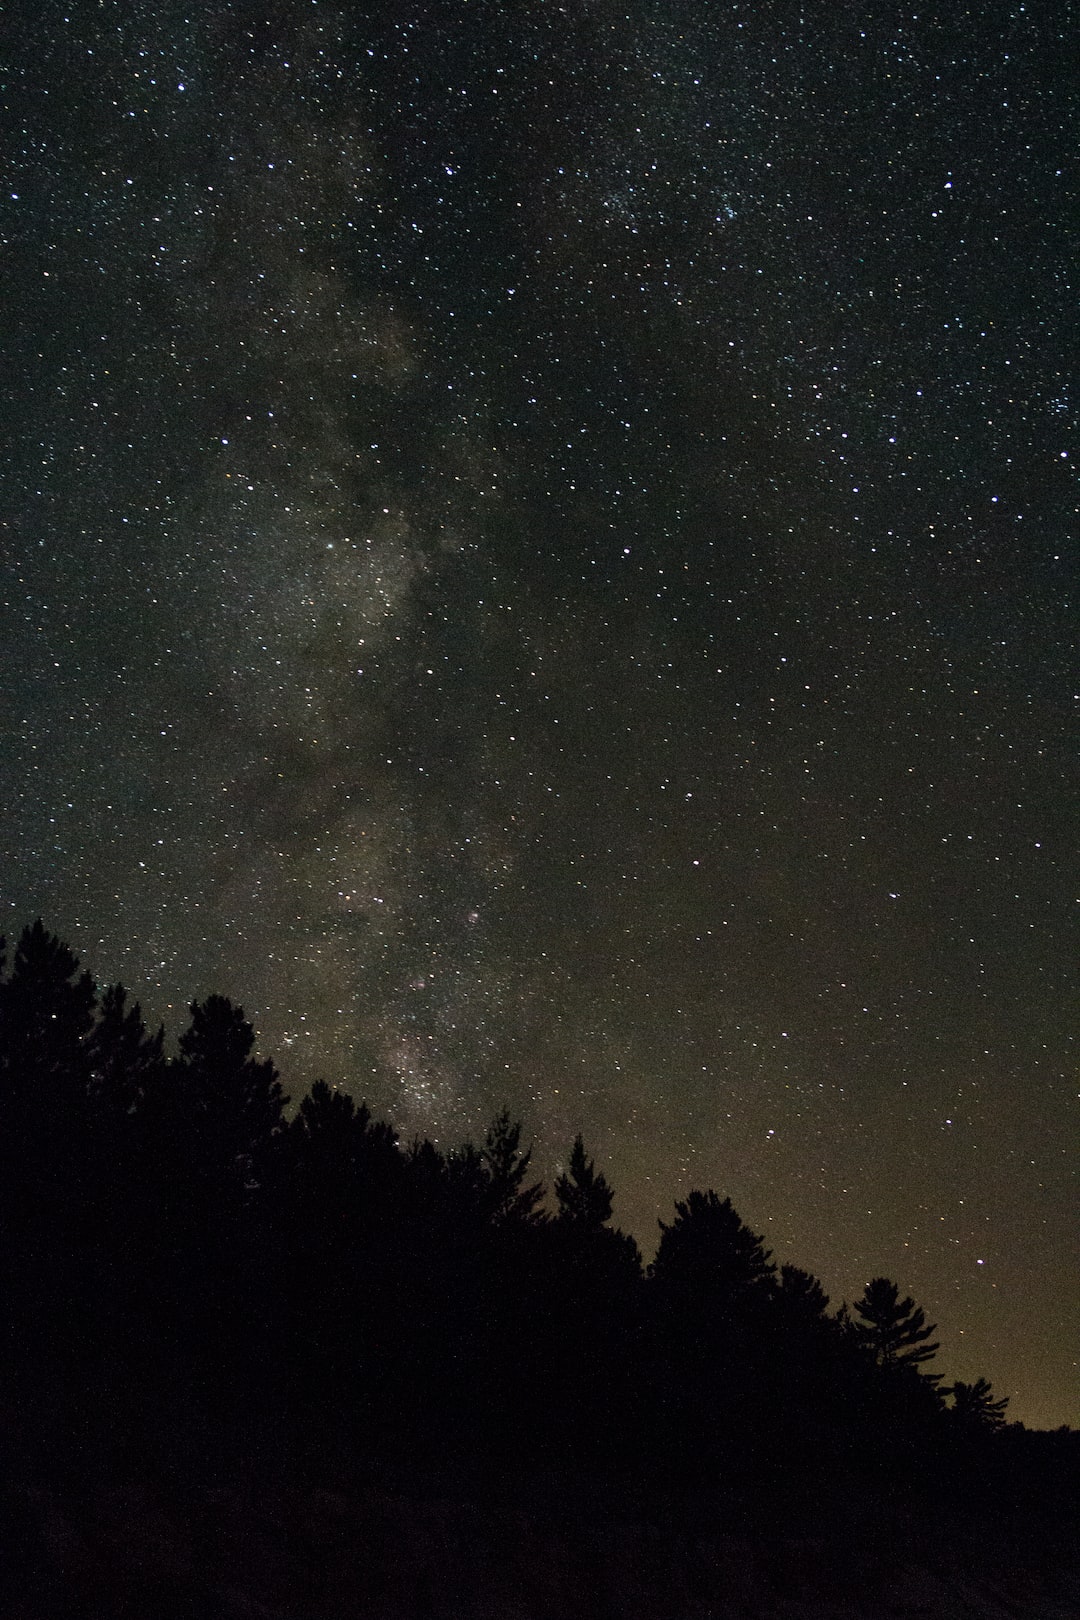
(228, 1103)
(894, 1330)
(124, 1059)
(508, 1198)
(46, 1018)
(800, 1294)
(584, 1195)
(708, 1246)
(974, 1406)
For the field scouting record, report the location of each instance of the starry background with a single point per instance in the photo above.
(539, 555)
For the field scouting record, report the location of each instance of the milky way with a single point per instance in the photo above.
(539, 555)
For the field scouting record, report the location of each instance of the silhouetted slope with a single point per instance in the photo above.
(219, 1320)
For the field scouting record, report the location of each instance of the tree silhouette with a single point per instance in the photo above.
(125, 1065)
(226, 1104)
(591, 1315)
(176, 1253)
(974, 1406)
(800, 1294)
(599, 1256)
(204, 1133)
(584, 1196)
(46, 1018)
(507, 1167)
(338, 1163)
(708, 1248)
(894, 1330)
(709, 1294)
(329, 1196)
(124, 1060)
(46, 1013)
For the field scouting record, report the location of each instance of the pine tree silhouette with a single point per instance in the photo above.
(46, 1018)
(583, 1195)
(974, 1406)
(227, 1105)
(894, 1330)
(508, 1198)
(709, 1248)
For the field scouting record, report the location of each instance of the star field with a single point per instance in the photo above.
(539, 555)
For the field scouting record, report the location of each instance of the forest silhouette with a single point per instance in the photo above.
(196, 1277)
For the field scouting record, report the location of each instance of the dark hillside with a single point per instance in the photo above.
(273, 1363)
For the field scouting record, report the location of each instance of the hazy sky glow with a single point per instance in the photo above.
(539, 555)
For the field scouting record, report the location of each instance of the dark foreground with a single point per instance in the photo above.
(174, 1547)
(274, 1365)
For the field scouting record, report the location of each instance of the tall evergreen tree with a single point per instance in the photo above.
(583, 1195)
(46, 1018)
(227, 1104)
(974, 1406)
(894, 1330)
(46, 1015)
(509, 1199)
(708, 1247)
(125, 1065)
(124, 1059)
(800, 1295)
(336, 1166)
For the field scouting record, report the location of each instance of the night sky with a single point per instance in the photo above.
(539, 556)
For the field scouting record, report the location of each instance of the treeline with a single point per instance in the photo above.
(185, 1265)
